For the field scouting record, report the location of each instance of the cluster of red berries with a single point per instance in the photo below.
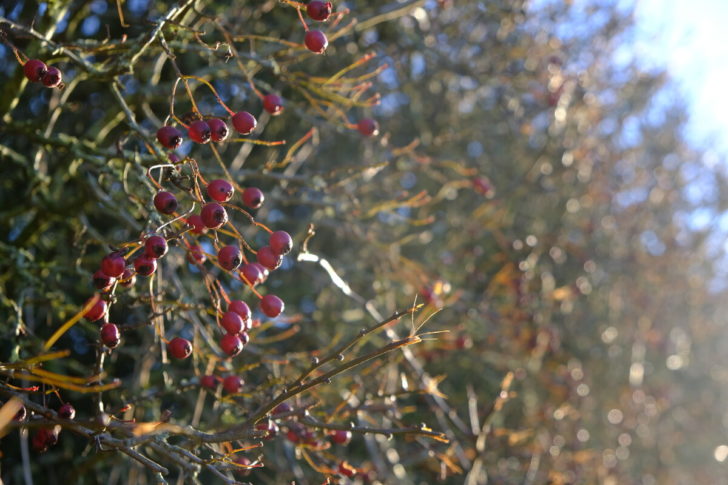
(38, 72)
(46, 437)
(315, 40)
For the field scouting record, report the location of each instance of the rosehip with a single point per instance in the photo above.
(271, 305)
(253, 197)
(268, 258)
(180, 348)
(316, 41)
(170, 137)
(67, 411)
(229, 257)
(242, 309)
(96, 312)
(244, 123)
(273, 104)
(208, 382)
(218, 129)
(110, 335)
(34, 70)
(52, 77)
(213, 215)
(145, 266)
(232, 322)
(165, 202)
(198, 227)
(340, 436)
(196, 254)
(281, 242)
(368, 127)
(155, 247)
(128, 278)
(102, 281)
(220, 190)
(231, 344)
(199, 132)
(317, 10)
(113, 265)
(232, 384)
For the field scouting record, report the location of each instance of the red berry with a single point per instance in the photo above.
(244, 469)
(232, 384)
(220, 190)
(209, 382)
(368, 127)
(165, 202)
(293, 436)
(170, 137)
(268, 258)
(242, 309)
(273, 104)
(218, 129)
(113, 265)
(252, 273)
(196, 222)
(282, 408)
(229, 257)
(271, 305)
(317, 10)
(281, 242)
(102, 281)
(231, 344)
(199, 132)
(52, 77)
(244, 338)
(21, 414)
(196, 254)
(155, 247)
(213, 215)
(67, 411)
(340, 436)
(263, 272)
(483, 186)
(96, 312)
(180, 348)
(232, 322)
(34, 70)
(269, 426)
(44, 438)
(128, 278)
(145, 266)
(110, 335)
(244, 123)
(346, 469)
(316, 41)
(253, 197)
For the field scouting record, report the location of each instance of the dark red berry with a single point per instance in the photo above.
(96, 312)
(102, 281)
(165, 202)
(346, 469)
(269, 426)
(292, 436)
(128, 278)
(316, 41)
(340, 436)
(220, 190)
(268, 258)
(52, 77)
(317, 10)
(281, 242)
(155, 247)
(213, 215)
(232, 384)
(273, 104)
(169, 136)
(483, 186)
(198, 226)
(232, 322)
(244, 468)
(113, 265)
(271, 305)
(263, 272)
(253, 197)
(244, 123)
(218, 129)
(252, 273)
(180, 348)
(43, 439)
(242, 309)
(244, 338)
(229, 257)
(208, 382)
(231, 344)
(199, 132)
(196, 254)
(145, 266)
(34, 70)
(21, 414)
(368, 127)
(67, 411)
(282, 408)
(110, 335)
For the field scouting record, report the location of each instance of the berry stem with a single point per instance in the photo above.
(214, 92)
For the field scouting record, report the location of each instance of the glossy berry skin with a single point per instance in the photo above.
(155, 247)
(102, 281)
(252, 273)
(340, 436)
(198, 226)
(244, 338)
(316, 41)
(346, 469)
(180, 348)
(244, 469)
(229, 257)
(199, 132)
(34, 70)
(232, 323)
(218, 129)
(232, 384)
(244, 123)
(43, 439)
(273, 104)
(170, 137)
(165, 202)
(52, 77)
(317, 10)
(242, 309)
(280, 242)
(253, 197)
(110, 335)
(145, 266)
(208, 382)
(21, 414)
(231, 344)
(268, 258)
(96, 312)
(113, 265)
(196, 254)
(67, 411)
(368, 127)
(271, 305)
(213, 215)
(220, 190)
(128, 278)
(263, 272)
